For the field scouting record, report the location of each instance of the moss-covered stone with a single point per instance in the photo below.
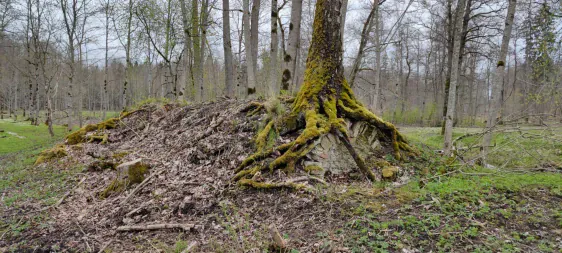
(50, 154)
(137, 172)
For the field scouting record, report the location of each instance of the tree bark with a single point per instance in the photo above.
(274, 51)
(290, 55)
(494, 103)
(451, 103)
(227, 45)
(251, 82)
(367, 27)
(321, 107)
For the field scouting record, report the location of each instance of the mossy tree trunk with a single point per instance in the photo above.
(321, 107)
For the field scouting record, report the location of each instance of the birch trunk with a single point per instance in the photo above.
(454, 78)
(497, 81)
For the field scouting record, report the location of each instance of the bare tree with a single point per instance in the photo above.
(250, 61)
(454, 78)
(290, 55)
(274, 51)
(227, 45)
(494, 103)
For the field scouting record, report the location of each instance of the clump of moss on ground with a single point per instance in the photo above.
(135, 174)
(80, 135)
(47, 155)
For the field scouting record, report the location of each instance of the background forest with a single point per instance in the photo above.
(63, 57)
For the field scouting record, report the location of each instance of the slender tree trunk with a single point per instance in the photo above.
(203, 34)
(251, 82)
(227, 45)
(494, 103)
(290, 55)
(274, 51)
(377, 87)
(128, 65)
(367, 26)
(254, 34)
(454, 78)
(343, 16)
(186, 48)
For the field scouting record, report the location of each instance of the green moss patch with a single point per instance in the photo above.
(50, 154)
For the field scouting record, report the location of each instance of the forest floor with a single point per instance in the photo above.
(512, 206)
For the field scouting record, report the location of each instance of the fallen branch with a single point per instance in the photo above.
(185, 227)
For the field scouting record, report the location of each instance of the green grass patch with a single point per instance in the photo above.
(506, 212)
(22, 136)
(529, 148)
(22, 185)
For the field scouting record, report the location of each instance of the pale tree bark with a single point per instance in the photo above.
(254, 33)
(203, 33)
(343, 16)
(273, 79)
(251, 83)
(454, 78)
(186, 48)
(128, 63)
(70, 15)
(197, 65)
(227, 45)
(290, 55)
(494, 103)
(103, 91)
(377, 87)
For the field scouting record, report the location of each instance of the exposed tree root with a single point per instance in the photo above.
(323, 113)
(322, 106)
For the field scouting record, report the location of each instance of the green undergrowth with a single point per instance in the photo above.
(25, 187)
(488, 212)
(22, 137)
(531, 147)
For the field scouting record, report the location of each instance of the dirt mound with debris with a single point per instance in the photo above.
(163, 174)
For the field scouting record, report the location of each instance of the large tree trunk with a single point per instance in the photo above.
(451, 103)
(290, 55)
(227, 44)
(321, 107)
(494, 104)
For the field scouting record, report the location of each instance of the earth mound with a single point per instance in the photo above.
(162, 173)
